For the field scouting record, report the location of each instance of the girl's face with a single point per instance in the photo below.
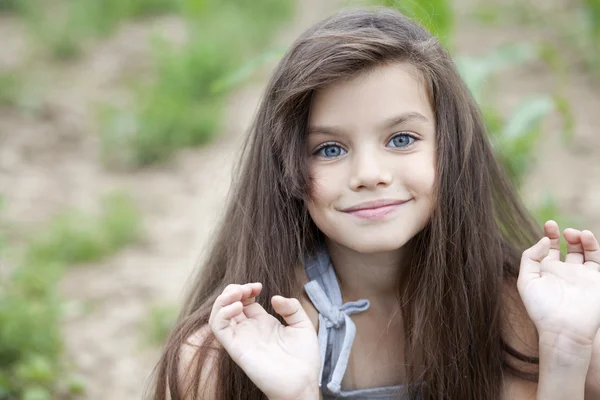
(371, 152)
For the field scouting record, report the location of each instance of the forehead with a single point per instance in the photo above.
(372, 97)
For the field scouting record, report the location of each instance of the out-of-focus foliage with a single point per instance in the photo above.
(8, 5)
(159, 322)
(477, 71)
(2, 238)
(182, 106)
(62, 26)
(9, 88)
(435, 15)
(75, 237)
(575, 23)
(30, 308)
(515, 140)
(514, 137)
(591, 41)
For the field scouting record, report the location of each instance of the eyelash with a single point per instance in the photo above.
(329, 144)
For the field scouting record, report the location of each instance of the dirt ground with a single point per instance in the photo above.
(52, 162)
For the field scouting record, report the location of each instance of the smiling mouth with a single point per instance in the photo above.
(376, 209)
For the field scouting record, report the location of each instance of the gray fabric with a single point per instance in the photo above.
(337, 331)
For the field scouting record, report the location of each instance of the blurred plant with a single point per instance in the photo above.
(63, 27)
(477, 71)
(517, 136)
(2, 238)
(30, 341)
(30, 307)
(10, 84)
(74, 237)
(246, 70)
(591, 42)
(501, 13)
(159, 322)
(576, 28)
(176, 110)
(435, 15)
(514, 138)
(182, 106)
(9, 5)
(21, 91)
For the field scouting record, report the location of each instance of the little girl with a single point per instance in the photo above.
(372, 246)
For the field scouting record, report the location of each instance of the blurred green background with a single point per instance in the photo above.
(119, 123)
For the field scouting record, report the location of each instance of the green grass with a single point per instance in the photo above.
(182, 106)
(31, 365)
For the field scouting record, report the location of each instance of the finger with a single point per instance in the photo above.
(291, 311)
(255, 289)
(254, 310)
(251, 290)
(225, 315)
(230, 294)
(552, 232)
(591, 248)
(574, 246)
(532, 258)
(245, 290)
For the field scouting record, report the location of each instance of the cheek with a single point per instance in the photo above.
(324, 187)
(422, 177)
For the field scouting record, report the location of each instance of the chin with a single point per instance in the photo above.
(374, 244)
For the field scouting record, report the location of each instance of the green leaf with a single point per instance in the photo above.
(36, 393)
(477, 70)
(564, 108)
(527, 117)
(437, 16)
(241, 74)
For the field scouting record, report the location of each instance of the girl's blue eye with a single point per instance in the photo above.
(331, 151)
(401, 140)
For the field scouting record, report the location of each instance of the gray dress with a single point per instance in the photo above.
(337, 331)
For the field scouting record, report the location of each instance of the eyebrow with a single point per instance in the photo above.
(411, 116)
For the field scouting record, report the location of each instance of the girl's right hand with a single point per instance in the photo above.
(282, 361)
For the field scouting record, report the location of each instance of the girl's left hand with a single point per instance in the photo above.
(562, 298)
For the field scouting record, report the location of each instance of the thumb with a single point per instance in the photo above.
(292, 312)
(533, 256)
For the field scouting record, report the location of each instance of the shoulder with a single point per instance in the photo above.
(198, 362)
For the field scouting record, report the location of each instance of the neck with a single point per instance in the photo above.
(375, 277)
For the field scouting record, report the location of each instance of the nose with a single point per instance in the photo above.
(369, 171)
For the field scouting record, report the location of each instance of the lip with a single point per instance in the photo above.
(374, 209)
(370, 205)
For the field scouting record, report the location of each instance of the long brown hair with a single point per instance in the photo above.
(452, 294)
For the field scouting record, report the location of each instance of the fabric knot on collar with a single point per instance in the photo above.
(335, 317)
